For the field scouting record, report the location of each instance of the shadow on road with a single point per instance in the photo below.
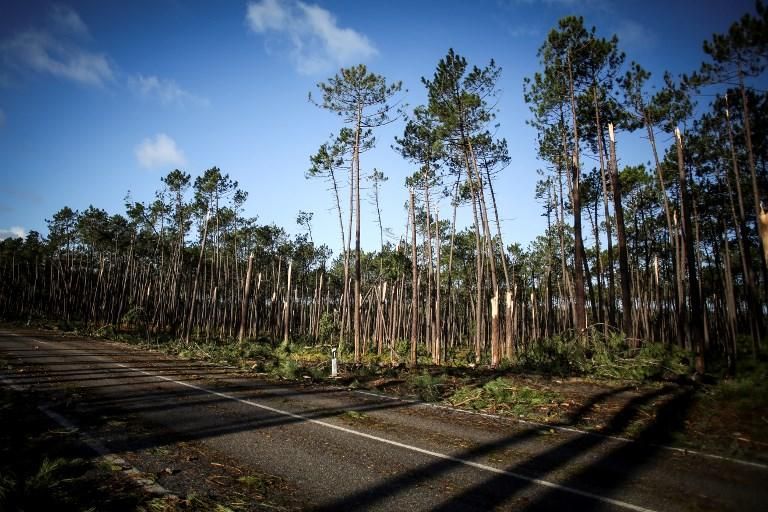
(602, 464)
(501, 488)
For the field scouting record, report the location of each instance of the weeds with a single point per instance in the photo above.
(251, 481)
(502, 396)
(40, 467)
(603, 356)
(48, 474)
(426, 386)
(749, 389)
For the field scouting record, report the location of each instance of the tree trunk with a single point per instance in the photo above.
(246, 295)
(414, 286)
(626, 297)
(580, 319)
(690, 259)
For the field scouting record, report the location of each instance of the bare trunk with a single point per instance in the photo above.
(246, 296)
(414, 285)
(626, 298)
(690, 259)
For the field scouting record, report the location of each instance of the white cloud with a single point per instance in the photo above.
(167, 92)
(57, 50)
(158, 152)
(13, 232)
(633, 35)
(41, 52)
(317, 41)
(267, 15)
(65, 19)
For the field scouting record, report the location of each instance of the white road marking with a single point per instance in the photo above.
(438, 455)
(94, 444)
(573, 430)
(476, 465)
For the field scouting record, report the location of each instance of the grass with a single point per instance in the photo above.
(43, 467)
(594, 354)
(732, 413)
(49, 474)
(603, 356)
(426, 386)
(748, 389)
(355, 415)
(46, 467)
(502, 396)
(729, 412)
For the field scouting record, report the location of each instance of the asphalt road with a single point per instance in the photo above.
(348, 450)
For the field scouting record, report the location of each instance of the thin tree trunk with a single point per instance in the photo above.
(690, 259)
(246, 296)
(414, 285)
(580, 319)
(618, 208)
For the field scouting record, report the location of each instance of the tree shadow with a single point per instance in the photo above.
(502, 487)
(596, 463)
(602, 476)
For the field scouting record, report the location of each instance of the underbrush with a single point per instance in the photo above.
(592, 353)
(286, 361)
(426, 386)
(747, 390)
(604, 356)
(502, 396)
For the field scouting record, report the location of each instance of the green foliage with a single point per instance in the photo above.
(402, 349)
(748, 390)
(503, 396)
(560, 355)
(47, 475)
(355, 415)
(461, 356)
(286, 369)
(357, 88)
(598, 355)
(426, 386)
(7, 485)
(328, 329)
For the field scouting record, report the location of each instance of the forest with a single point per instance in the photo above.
(638, 262)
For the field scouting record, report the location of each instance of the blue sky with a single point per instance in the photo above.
(98, 98)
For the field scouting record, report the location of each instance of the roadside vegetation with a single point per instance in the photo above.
(546, 385)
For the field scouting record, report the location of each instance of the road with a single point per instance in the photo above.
(350, 450)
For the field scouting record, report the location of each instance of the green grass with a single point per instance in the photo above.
(504, 397)
(426, 386)
(355, 415)
(748, 389)
(602, 356)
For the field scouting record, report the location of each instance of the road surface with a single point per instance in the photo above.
(350, 450)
